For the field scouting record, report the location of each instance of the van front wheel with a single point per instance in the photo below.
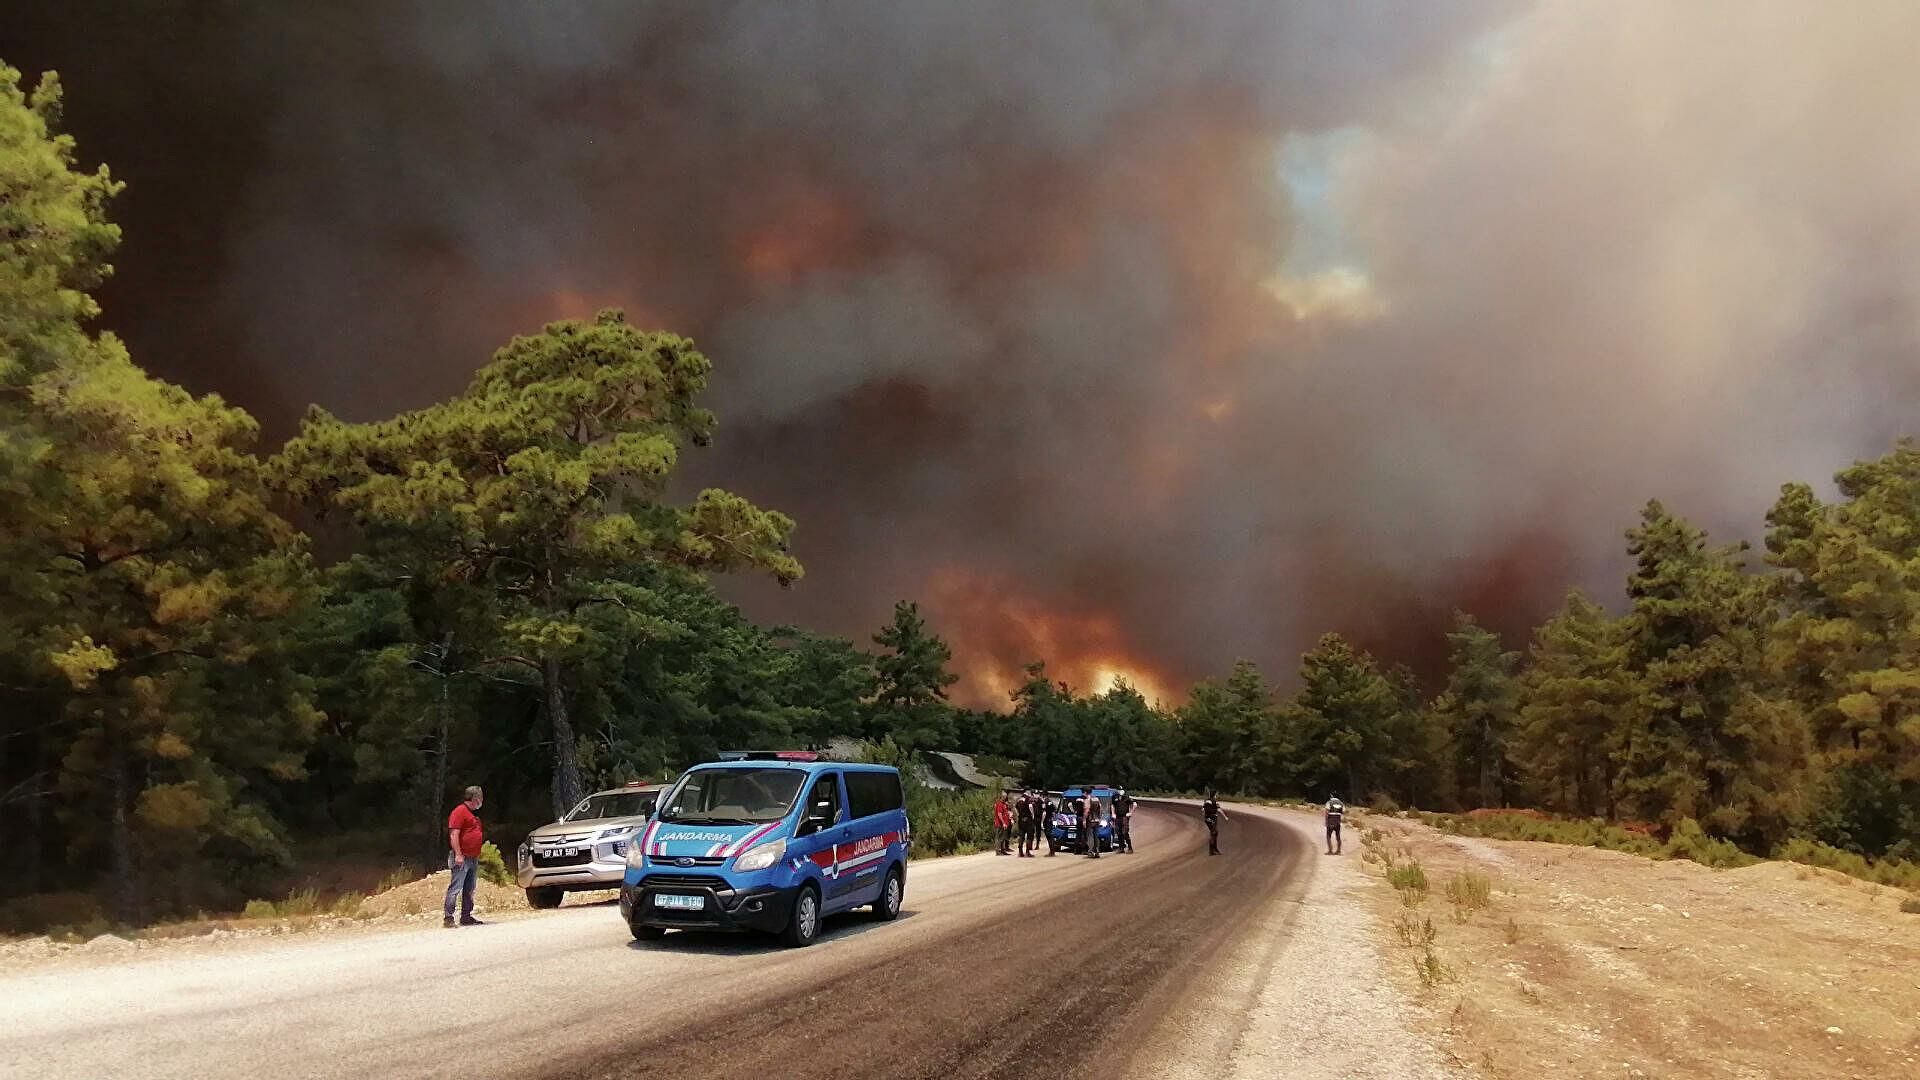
(892, 894)
(803, 925)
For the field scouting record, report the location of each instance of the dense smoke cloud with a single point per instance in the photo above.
(1138, 338)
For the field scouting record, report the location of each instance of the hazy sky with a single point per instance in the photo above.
(1137, 338)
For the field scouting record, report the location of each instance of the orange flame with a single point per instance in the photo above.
(996, 633)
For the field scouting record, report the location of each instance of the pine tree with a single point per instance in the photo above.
(910, 699)
(1229, 734)
(1340, 723)
(1847, 652)
(1574, 694)
(1703, 742)
(146, 585)
(538, 490)
(1477, 707)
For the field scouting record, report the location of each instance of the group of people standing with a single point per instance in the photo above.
(1025, 817)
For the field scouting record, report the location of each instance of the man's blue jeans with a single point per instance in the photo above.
(465, 873)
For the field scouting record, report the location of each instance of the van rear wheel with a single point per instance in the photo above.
(892, 894)
(803, 925)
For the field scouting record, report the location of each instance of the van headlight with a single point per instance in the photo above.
(636, 856)
(761, 857)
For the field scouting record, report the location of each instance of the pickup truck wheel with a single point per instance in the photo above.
(545, 897)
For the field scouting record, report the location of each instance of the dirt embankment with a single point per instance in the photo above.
(417, 902)
(1587, 963)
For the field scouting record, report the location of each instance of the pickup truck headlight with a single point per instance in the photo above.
(761, 857)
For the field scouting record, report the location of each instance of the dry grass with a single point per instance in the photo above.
(1469, 891)
(1597, 963)
(1414, 933)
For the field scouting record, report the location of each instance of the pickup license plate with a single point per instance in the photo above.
(679, 903)
(563, 852)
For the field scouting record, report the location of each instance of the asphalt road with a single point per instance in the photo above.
(998, 967)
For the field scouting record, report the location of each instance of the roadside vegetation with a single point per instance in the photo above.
(1687, 841)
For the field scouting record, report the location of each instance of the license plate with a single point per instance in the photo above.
(679, 903)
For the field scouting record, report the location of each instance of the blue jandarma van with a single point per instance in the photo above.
(1070, 833)
(769, 841)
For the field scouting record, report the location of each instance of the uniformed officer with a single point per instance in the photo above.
(1123, 822)
(1023, 812)
(1090, 824)
(1211, 812)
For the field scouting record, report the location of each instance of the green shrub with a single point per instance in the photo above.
(1414, 934)
(1469, 891)
(1690, 841)
(943, 822)
(492, 867)
(1409, 877)
(300, 904)
(261, 909)
(1428, 968)
(1897, 873)
(395, 878)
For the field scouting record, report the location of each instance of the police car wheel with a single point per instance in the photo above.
(887, 908)
(804, 924)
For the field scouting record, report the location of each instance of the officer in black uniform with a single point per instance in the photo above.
(1123, 822)
(1090, 824)
(1023, 814)
(1210, 810)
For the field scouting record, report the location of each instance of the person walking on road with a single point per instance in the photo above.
(464, 837)
(1047, 809)
(1335, 811)
(1123, 822)
(1002, 824)
(1211, 812)
(1090, 824)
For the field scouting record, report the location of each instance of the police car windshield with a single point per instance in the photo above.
(612, 804)
(749, 796)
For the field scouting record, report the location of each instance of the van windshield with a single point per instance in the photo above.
(733, 796)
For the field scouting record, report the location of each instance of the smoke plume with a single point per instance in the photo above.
(1134, 337)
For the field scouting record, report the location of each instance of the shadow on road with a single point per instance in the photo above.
(842, 927)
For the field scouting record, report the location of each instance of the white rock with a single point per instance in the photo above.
(1833, 1031)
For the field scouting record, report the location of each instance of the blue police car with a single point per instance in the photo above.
(1068, 831)
(769, 841)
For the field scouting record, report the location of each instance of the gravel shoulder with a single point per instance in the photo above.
(1304, 992)
(1591, 963)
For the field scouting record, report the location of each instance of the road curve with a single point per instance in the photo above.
(1002, 967)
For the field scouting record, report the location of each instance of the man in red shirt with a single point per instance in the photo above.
(1003, 823)
(464, 839)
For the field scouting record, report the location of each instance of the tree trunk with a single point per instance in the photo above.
(436, 811)
(123, 892)
(566, 763)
